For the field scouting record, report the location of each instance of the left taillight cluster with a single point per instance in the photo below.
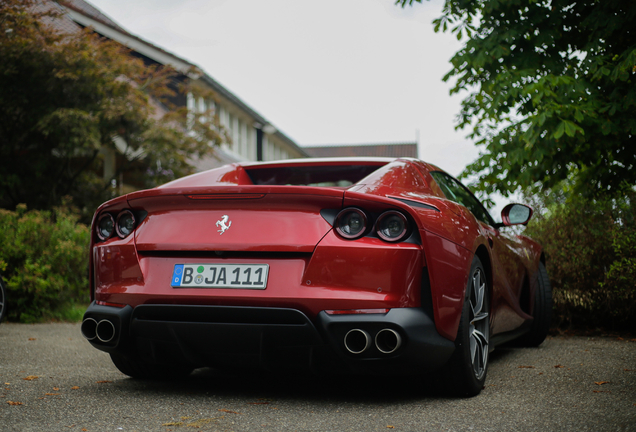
(122, 225)
(353, 223)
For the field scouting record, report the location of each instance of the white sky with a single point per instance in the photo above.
(322, 72)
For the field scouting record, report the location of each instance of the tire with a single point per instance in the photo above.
(3, 300)
(541, 311)
(466, 370)
(139, 369)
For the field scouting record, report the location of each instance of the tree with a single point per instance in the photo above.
(552, 91)
(66, 97)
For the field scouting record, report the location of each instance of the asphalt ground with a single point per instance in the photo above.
(51, 379)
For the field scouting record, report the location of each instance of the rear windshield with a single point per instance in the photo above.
(301, 175)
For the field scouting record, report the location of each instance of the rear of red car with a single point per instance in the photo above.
(270, 266)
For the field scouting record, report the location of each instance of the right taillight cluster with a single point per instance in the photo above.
(353, 223)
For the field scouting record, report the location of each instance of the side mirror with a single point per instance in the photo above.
(516, 214)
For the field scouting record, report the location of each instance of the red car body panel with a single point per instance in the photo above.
(188, 223)
(311, 268)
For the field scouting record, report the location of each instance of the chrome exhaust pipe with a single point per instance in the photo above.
(89, 329)
(357, 341)
(105, 331)
(387, 341)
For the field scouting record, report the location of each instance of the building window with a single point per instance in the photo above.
(230, 129)
(240, 137)
(251, 143)
(211, 106)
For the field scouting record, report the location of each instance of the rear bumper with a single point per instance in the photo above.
(269, 338)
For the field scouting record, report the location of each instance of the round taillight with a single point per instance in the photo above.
(392, 226)
(351, 223)
(125, 223)
(105, 226)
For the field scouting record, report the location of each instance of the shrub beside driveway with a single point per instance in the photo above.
(44, 262)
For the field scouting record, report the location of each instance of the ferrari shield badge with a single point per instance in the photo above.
(224, 223)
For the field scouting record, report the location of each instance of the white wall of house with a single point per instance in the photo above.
(242, 130)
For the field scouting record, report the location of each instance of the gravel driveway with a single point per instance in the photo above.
(51, 379)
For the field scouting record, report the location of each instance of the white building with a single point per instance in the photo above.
(253, 138)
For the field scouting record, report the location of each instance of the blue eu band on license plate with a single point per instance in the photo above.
(242, 276)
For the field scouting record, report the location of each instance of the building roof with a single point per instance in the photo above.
(90, 10)
(59, 21)
(361, 150)
(87, 15)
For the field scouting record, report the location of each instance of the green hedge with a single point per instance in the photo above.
(590, 247)
(44, 262)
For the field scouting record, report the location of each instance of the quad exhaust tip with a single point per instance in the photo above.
(357, 341)
(88, 329)
(104, 330)
(387, 341)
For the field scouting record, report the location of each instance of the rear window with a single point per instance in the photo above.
(302, 175)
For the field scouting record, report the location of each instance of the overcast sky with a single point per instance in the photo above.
(322, 72)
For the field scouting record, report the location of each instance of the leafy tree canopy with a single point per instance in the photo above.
(551, 91)
(64, 97)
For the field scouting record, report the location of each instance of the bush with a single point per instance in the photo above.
(44, 261)
(590, 246)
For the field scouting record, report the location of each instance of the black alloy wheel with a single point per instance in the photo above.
(466, 371)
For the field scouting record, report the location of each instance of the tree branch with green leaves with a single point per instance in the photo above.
(550, 92)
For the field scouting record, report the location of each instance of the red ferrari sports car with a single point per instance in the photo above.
(368, 265)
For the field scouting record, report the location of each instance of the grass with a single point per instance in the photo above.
(70, 313)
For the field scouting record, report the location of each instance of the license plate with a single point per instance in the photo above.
(243, 276)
